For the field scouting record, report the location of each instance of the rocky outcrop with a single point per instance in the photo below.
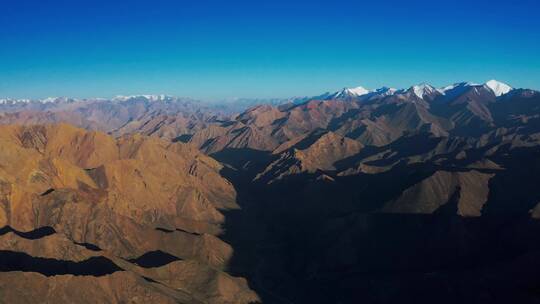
(123, 198)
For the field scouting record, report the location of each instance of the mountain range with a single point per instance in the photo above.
(415, 195)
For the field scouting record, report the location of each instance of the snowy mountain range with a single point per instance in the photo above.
(421, 91)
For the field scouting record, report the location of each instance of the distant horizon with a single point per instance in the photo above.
(225, 99)
(212, 49)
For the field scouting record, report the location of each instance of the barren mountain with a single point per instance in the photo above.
(417, 195)
(113, 210)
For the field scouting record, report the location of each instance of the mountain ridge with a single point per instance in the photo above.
(419, 191)
(498, 87)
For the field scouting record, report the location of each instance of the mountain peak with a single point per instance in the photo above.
(350, 93)
(386, 91)
(423, 89)
(454, 86)
(160, 97)
(358, 91)
(499, 88)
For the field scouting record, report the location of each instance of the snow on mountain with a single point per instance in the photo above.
(423, 89)
(6, 101)
(11, 101)
(50, 99)
(385, 91)
(358, 91)
(460, 85)
(379, 93)
(350, 92)
(161, 97)
(498, 87)
(456, 89)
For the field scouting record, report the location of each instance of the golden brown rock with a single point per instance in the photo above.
(470, 189)
(127, 196)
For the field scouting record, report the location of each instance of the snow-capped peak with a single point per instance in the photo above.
(385, 91)
(161, 97)
(49, 99)
(6, 101)
(423, 89)
(351, 92)
(458, 85)
(498, 87)
(358, 91)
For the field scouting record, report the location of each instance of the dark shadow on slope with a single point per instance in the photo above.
(289, 256)
(403, 147)
(248, 161)
(177, 229)
(245, 231)
(276, 223)
(89, 246)
(153, 259)
(518, 103)
(149, 280)
(19, 261)
(336, 123)
(518, 183)
(47, 192)
(164, 230)
(408, 258)
(309, 140)
(41, 233)
(184, 138)
(302, 240)
(406, 146)
(31, 235)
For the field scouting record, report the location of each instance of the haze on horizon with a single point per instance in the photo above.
(211, 50)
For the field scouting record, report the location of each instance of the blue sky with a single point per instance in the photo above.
(222, 49)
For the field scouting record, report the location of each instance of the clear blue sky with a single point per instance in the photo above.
(221, 49)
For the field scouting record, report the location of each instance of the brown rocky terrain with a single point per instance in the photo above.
(417, 196)
(109, 203)
(394, 199)
(163, 116)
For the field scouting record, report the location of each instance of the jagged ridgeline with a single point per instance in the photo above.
(419, 195)
(88, 217)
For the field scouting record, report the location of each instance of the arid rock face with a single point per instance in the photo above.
(471, 189)
(364, 199)
(124, 198)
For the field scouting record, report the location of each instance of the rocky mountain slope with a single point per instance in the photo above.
(416, 195)
(87, 216)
